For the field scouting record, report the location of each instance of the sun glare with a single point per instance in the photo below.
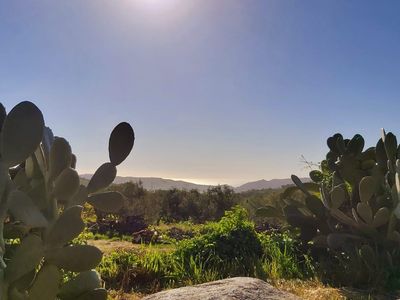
(157, 5)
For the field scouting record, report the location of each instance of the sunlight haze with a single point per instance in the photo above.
(217, 91)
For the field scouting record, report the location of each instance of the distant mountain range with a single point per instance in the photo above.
(266, 184)
(154, 183)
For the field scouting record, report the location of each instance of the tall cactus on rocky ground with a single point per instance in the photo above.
(41, 201)
(353, 204)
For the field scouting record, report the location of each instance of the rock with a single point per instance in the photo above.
(236, 288)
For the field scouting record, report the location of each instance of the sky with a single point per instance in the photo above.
(218, 91)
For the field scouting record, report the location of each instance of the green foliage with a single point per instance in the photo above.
(172, 205)
(223, 249)
(40, 210)
(284, 257)
(355, 213)
(231, 245)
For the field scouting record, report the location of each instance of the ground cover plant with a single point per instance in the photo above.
(40, 209)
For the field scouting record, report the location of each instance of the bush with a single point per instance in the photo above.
(227, 248)
(284, 257)
(125, 270)
(230, 246)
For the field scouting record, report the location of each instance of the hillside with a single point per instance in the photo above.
(266, 184)
(154, 183)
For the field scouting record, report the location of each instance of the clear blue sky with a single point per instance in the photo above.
(219, 91)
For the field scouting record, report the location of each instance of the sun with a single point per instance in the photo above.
(157, 5)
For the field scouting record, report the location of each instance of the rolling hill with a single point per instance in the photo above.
(266, 184)
(155, 183)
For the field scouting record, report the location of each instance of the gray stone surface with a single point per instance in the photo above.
(236, 288)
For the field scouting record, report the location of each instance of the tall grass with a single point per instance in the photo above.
(228, 248)
(283, 259)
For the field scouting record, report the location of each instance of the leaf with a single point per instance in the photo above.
(80, 197)
(367, 188)
(45, 286)
(20, 179)
(108, 202)
(47, 141)
(121, 143)
(73, 161)
(31, 167)
(390, 144)
(320, 241)
(60, 157)
(357, 217)
(381, 217)
(356, 145)
(83, 282)
(296, 180)
(26, 258)
(332, 142)
(24, 282)
(15, 231)
(340, 144)
(309, 186)
(76, 258)
(316, 176)
(316, 206)
(67, 227)
(66, 184)
(296, 218)
(394, 236)
(23, 209)
(268, 212)
(325, 196)
(368, 254)
(21, 133)
(337, 214)
(338, 196)
(292, 202)
(338, 240)
(381, 156)
(41, 160)
(102, 178)
(37, 193)
(3, 115)
(365, 212)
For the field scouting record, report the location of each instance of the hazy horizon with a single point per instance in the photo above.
(197, 181)
(222, 91)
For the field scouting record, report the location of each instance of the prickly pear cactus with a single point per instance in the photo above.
(352, 205)
(41, 201)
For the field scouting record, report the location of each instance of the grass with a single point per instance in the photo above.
(185, 226)
(283, 259)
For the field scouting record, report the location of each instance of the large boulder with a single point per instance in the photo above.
(236, 288)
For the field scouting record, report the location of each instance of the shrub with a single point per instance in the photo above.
(284, 257)
(230, 246)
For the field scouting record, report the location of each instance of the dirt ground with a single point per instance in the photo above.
(107, 246)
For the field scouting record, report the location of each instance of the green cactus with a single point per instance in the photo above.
(41, 201)
(357, 206)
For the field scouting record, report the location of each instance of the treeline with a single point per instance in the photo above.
(180, 205)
